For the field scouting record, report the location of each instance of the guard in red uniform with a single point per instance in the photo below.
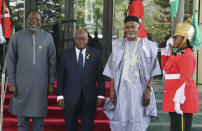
(137, 9)
(180, 93)
(7, 21)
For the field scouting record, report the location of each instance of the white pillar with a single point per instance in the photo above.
(198, 71)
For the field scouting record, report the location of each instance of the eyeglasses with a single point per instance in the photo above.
(80, 39)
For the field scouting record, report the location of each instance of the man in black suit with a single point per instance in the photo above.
(80, 83)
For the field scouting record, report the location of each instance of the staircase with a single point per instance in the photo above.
(55, 119)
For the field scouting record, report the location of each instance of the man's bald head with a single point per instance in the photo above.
(81, 39)
(34, 12)
(81, 31)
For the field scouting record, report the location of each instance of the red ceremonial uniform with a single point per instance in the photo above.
(137, 9)
(7, 21)
(183, 64)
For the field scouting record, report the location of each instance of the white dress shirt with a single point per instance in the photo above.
(77, 54)
(77, 57)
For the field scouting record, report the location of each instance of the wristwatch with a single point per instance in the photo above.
(149, 87)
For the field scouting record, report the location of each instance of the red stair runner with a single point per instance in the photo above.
(55, 119)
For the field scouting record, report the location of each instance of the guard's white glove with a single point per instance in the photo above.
(169, 43)
(167, 50)
(178, 109)
(2, 39)
(179, 98)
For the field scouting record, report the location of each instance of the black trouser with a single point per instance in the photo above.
(87, 114)
(176, 121)
(1, 57)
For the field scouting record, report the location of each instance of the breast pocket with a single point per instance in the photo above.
(42, 49)
(41, 52)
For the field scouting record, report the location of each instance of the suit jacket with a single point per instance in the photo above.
(71, 82)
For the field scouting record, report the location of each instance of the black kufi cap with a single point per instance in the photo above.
(131, 18)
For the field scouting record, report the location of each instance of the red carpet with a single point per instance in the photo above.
(55, 119)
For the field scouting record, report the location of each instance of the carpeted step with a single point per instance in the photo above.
(56, 112)
(52, 99)
(54, 124)
(55, 119)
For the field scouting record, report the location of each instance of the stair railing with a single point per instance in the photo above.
(4, 82)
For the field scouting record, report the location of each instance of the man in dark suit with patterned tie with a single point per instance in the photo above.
(81, 86)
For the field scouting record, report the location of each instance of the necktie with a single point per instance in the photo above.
(80, 61)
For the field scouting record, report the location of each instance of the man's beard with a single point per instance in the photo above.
(131, 35)
(33, 29)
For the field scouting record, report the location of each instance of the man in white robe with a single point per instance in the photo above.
(131, 66)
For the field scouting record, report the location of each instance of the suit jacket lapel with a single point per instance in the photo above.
(74, 58)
